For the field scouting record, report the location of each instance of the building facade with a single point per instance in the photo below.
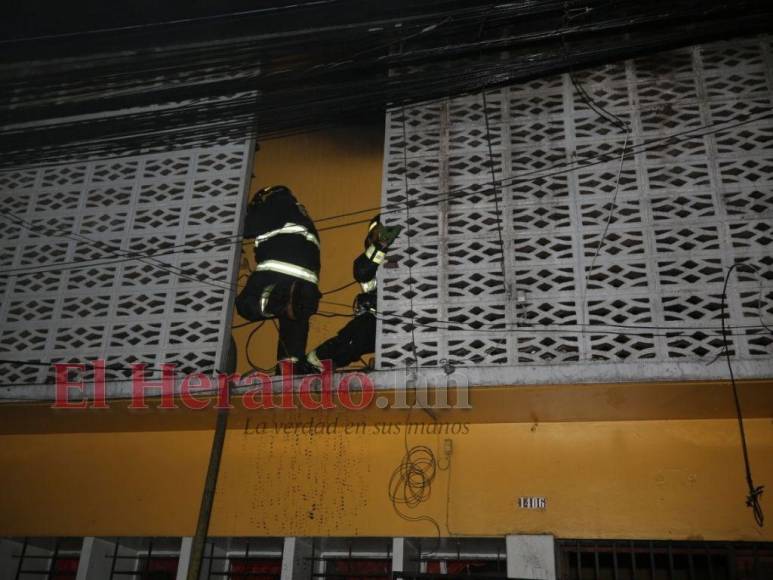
(564, 263)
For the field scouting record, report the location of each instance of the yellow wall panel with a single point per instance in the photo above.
(331, 172)
(76, 484)
(642, 479)
(654, 479)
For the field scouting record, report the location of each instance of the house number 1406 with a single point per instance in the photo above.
(532, 503)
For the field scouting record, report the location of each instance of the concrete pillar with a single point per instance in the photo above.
(8, 563)
(184, 563)
(96, 559)
(296, 563)
(405, 555)
(531, 557)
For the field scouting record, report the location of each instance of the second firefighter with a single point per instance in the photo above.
(358, 337)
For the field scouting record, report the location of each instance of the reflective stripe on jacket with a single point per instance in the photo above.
(288, 269)
(288, 228)
(368, 286)
(375, 255)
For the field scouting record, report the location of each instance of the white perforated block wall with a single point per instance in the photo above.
(684, 211)
(69, 291)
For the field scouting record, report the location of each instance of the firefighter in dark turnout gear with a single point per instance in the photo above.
(358, 337)
(284, 283)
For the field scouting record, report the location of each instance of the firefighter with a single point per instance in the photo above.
(358, 337)
(284, 283)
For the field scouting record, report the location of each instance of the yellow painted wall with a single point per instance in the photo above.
(614, 479)
(331, 172)
(654, 479)
(123, 484)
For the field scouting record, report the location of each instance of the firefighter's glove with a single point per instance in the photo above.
(387, 235)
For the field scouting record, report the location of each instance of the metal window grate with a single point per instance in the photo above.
(242, 559)
(351, 559)
(498, 575)
(144, 558)
(484, 558)
(356, 569)
(254, 568)
(662, 560)
(47, 559)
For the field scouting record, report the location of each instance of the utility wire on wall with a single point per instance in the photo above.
(755, 492)
(408, 206)
(276, 74)
(389, 317)
(495, 190)
(427, 200)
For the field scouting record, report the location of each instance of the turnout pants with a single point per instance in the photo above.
(355, 339)
(290, 300)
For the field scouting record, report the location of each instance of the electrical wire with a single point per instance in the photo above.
(434, 325)
(453, 324)
(410, 484)
(290, 74)
(596, 107)
(335, 290)
(128, 370)
(117, 252)
(623, 126)
(318, 313)
(388, 208)
(503, 327)
(755, 492)
(612, 205)
(409, 205)
(167, 23)
(247, 350)
(495, 191)
(389, 317)
(560, 169)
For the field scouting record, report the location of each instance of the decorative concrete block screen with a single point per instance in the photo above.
(70, 290)
(683, 211)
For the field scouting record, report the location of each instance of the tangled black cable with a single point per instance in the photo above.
(411, 482)
(755, 492)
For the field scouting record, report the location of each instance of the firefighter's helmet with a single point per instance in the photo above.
(263, 194)
(373, 231)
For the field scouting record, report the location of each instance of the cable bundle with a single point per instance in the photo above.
(286, 68)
